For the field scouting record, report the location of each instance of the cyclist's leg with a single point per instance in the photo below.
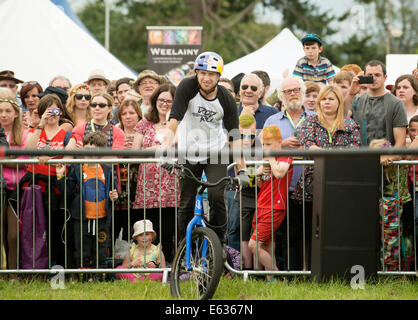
(188, 188)
(216, 197)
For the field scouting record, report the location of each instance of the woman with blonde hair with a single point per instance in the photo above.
(100, 107)
(78, 103)
(329, 128)
(11, 122)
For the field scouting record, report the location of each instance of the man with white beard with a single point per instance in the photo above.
(291, 91)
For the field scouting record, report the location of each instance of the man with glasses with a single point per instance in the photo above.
(251, 90)
(201, 110)
(8, 80)
(291, 91)
(145, 84)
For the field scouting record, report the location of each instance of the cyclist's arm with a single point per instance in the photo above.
(169, 133)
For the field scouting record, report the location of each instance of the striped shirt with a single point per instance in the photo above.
(322, 72)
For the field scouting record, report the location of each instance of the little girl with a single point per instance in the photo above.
(144, 254)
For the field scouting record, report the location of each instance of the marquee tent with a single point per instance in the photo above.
(281, 53)
(39, 41)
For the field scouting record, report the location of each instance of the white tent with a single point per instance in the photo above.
(279, 54)
(39, 41)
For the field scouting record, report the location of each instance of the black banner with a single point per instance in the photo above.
(173, 50)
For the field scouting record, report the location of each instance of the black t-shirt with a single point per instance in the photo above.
(201, 120)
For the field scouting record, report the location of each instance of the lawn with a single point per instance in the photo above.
(228, 289)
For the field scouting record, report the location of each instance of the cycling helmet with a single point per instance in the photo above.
(209, 61)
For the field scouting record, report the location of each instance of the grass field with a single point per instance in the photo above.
(229, 289)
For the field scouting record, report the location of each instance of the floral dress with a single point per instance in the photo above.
(149, 175)
(313, 133)
(151, 255)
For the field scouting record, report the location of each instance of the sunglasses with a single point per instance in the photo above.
(32, 83)
(80, 96)
(247, 136)
(101, 105)
(245, 87)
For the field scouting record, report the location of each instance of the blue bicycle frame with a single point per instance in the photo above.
(197, 221)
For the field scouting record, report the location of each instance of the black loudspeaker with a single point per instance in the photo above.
(345, 217)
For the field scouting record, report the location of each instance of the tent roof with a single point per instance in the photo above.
(40, 42)
(63, 4)
(279, 54)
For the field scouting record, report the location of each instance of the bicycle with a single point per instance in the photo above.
(198, 263)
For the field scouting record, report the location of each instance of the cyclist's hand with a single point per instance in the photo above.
(243, 179)
(167, 164)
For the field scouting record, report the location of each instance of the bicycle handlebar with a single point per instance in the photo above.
(199, 181)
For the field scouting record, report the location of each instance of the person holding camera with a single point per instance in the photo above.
(379, 113)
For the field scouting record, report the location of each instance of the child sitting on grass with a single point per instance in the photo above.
(144, 254)
(261, 242)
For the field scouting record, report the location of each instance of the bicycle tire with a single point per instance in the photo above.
(201, 282)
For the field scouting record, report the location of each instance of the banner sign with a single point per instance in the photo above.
(173, 50)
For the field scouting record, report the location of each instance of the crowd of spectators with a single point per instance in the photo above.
(314, 108)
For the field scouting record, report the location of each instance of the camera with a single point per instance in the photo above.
(365, 79)
(55, 112)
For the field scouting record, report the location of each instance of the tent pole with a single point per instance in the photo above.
(107, 20)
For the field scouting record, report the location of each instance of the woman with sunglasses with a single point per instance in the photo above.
(47, 135)
(30, 100)
(100, 108)
(151, 130)
(78, 104)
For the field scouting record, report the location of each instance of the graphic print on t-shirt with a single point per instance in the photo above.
(94, 208)
(204, 114)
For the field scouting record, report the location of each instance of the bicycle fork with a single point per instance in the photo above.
(197, 221)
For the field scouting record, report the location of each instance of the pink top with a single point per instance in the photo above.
(10, 174)
(152, 175)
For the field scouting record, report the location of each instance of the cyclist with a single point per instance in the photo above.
(201, 110)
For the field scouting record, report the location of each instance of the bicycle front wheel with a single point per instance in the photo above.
(206, 265)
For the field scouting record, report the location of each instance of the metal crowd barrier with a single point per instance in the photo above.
(130, 161)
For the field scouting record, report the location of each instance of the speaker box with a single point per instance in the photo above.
(345, 217)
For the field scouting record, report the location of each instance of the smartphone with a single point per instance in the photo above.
(365, 79)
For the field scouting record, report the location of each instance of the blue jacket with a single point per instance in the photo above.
(73, 190)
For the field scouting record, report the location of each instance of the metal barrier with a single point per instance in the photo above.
(66, 269)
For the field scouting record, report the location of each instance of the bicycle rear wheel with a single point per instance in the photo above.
(201, 281)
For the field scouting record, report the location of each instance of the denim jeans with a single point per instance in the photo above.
(216, 198)
(233, 220)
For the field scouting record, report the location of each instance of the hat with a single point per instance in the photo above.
(151, 74)
(61, 93)
(142, 226)
(9, 75)
(312, 37)
(97, 74)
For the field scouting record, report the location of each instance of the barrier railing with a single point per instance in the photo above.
(131, 161)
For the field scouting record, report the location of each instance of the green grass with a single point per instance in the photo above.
(235, 289)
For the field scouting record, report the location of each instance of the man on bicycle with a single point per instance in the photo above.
(201, 111)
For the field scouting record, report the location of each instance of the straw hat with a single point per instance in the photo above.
(143, 226)
(151, 74)
(97, 74)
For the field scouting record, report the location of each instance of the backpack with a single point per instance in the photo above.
(33, 215)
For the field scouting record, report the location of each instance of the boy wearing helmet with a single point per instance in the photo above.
(201, 112)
